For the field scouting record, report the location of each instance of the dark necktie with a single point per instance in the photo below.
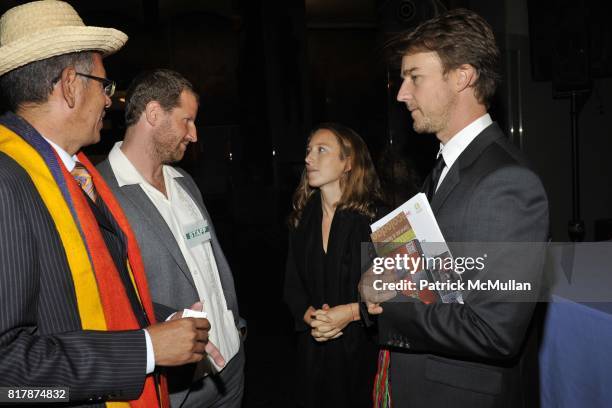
(435, 176)
(82, 176)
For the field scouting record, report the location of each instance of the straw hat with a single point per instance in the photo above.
(44, 29)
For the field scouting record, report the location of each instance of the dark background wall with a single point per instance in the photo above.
(268, 71)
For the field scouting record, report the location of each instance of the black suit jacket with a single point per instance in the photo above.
(471, 355)
(41, 339)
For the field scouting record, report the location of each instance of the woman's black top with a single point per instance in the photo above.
(339, 372)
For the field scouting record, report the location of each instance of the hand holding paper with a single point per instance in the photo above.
(372, 289)
(210, 349)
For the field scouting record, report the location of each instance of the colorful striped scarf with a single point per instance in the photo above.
(100, 305)
(381, 395)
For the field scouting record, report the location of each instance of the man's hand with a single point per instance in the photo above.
(374, 308)
(169, 352)
(179, 341)
(197, 306)
(215, 354)
(371, 286)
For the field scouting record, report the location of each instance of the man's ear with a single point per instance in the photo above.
(466, 76)
(152, 112)
(68, 85)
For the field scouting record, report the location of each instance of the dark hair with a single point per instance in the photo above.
(34, 82)
(459, 37)
(360, 186)
(161, 85)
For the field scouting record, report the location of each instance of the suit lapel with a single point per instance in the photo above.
(101, 217)
(157, 223)
(465, 159)
(448, 184)
(479, 144)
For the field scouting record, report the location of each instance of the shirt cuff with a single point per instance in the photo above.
(150, 353)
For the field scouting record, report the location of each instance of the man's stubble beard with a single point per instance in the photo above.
(434, 124)
(161, 148)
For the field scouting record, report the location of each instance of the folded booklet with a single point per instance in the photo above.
(421, 260)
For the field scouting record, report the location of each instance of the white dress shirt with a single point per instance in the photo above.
(458, 143)
(192, 235)
(69, 162)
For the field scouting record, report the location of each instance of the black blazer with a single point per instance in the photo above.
(471, 355)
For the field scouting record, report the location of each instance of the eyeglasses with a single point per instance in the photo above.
(107, 84)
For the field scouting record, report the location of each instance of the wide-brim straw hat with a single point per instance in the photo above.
(44, 29)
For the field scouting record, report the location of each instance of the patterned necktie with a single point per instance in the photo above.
(435, 176)
(82, 176)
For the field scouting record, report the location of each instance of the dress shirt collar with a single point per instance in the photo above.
(69, 161)
(458, 143)
(126, 173)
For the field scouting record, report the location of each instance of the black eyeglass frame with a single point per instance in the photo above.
(108, 84)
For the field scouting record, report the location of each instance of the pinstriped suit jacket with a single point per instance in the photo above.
(41, 341)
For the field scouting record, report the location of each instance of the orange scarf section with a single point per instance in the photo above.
(117, 309)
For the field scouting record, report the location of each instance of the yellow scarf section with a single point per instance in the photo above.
(86, 288)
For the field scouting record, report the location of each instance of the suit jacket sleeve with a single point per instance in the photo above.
(162, 312)
(95, 366)
(508, 205)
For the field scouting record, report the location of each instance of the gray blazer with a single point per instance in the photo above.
(170, 282)
(477, 354)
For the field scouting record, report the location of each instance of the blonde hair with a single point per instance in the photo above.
(360, 185)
